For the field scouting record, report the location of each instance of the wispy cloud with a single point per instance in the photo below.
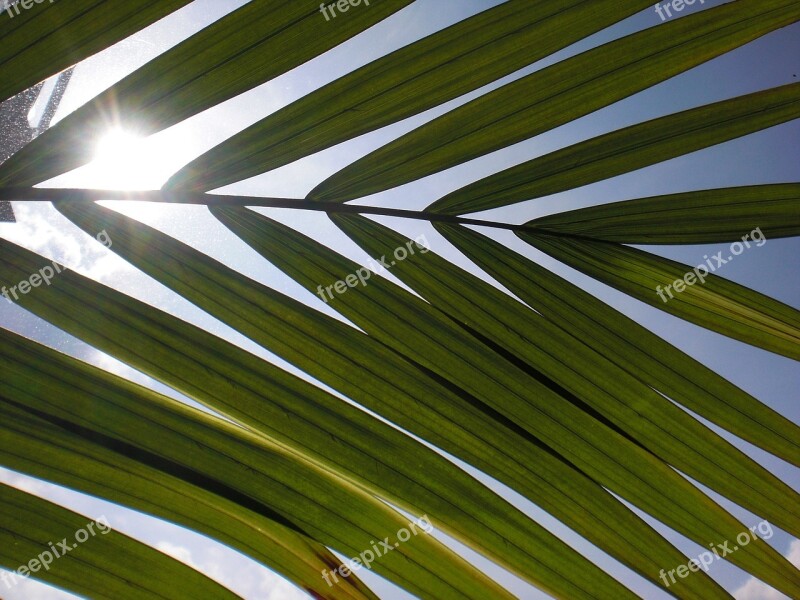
(41, 229)
(754, 589)
(249, 580)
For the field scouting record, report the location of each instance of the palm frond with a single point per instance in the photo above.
(31, 526)
(569, 403)
(717, 304)
(557, 95)
(628, 149)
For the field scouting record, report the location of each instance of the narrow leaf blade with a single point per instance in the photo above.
(716, 303)
(370, 373)
(29, 526)
(645, 355)
(701, 217)
(46, 38)
(626, 150)
(427, 73)
(419, 330)
(557, 95)
(212, 66)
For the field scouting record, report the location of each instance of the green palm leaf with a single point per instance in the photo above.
(702, 217)
(30, 526)
(44, 39)
(429, 72)
(569, 403)
(420, 330)
(646, 356)
(626, 150)
(557, 95)
(263, 476)
(250, 46)
(717, 304)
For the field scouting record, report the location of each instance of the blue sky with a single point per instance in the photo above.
(769, 156)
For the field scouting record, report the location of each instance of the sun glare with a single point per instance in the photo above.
(126, 161)
(118, 143)
(118, 163)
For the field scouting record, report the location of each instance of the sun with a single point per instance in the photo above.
(119, 161)
(124, 160)
(118, 143)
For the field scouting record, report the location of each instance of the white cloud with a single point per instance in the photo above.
(794, 553)
(41, 229)
(754, 589)
(180, 553)
(31, 589)
(24, 483)
(276, 588)
(246, 578)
